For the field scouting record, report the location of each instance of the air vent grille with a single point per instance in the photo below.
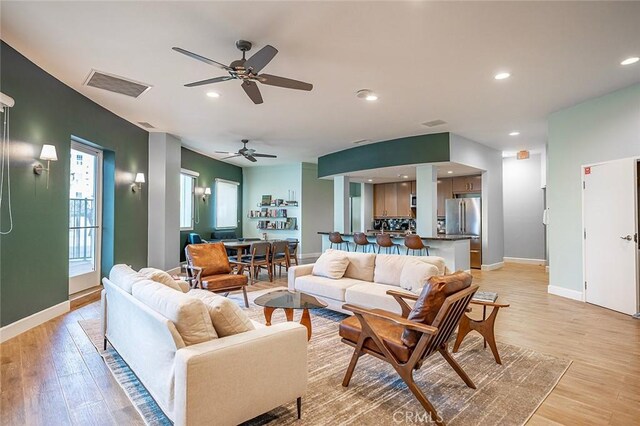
(434, 123)
(116, 84)
(361, 141)
(146, 125)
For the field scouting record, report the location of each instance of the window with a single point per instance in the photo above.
(79, 159)
(226, 204)
(187, 191)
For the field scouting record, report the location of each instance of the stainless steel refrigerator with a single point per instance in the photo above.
(464, 217)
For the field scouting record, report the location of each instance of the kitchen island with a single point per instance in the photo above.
(455, 249)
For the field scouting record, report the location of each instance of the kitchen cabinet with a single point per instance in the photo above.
(413, 186)
(403, 199)
(467, 184)
(378, 200)
(445, 191)
(391, 199)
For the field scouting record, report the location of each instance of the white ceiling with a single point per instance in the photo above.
(398, 173)
(426, 61)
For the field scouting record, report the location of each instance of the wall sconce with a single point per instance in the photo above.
(137, 183)
(48, 154)
(207, 192)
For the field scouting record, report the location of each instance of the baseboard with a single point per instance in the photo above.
(12, 330)
(492, 266)
(525, 261)
(309, 256)
(565, 292)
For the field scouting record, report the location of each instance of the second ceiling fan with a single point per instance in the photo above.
(248, 71)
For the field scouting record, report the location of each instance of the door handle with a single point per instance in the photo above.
(628, 238)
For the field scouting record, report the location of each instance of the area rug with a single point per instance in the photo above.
(506, 394)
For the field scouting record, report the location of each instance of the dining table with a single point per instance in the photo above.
(238, 246)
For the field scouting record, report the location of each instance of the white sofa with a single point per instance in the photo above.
(365, 282)
(221, 381)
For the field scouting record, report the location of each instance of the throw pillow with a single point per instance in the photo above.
(124, 277)
(331, 264)
(227, 317)
(388, 268)
(431, 299)
(160, 276)
(415, 274)
(189, 314)
(360, 266)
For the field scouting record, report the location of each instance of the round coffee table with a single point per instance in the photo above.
(290, 300)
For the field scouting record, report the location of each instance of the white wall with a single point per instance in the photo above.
(366, 205)
(163, 184)
(275, 181)
(470, 153)
(600, 129)
(523, 200)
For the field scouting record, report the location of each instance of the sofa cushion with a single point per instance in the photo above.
(361, 266)
(325, 287)
(433, 260)
(415, 275)
(124, 277)
(189, 314)
(388, 268)
(389, 332)
(212, 258)
(331, 264)
(370, 295)
(223, 281)
(431, 299)
(226, 316)
(160, 276)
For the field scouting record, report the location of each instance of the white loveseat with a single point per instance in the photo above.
(366, 279)
(219, 381)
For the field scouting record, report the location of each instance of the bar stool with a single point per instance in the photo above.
(384, 240)
(360, 240)
(414, 242)
(336, 238)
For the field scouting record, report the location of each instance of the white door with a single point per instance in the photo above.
(85, 217)
(610, 235)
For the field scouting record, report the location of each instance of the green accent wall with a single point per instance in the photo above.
(34, 257)
(209, 169)
(430, 148)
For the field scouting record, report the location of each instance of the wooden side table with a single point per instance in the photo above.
(485, 327)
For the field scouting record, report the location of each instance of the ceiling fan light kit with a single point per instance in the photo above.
(247, 70)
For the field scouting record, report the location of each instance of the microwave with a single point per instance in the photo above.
(413, 200)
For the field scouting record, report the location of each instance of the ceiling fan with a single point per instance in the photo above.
(247, 70)
(248, 153)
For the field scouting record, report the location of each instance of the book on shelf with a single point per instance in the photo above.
(485, 296)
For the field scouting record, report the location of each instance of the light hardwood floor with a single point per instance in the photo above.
(53, 375)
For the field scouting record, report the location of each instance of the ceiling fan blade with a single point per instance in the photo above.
(251, 89)
(202, 58)
(250, 158)
(208, 81)
(225, 152)
(274, 80)
(265, 155)
(231, 156)
(260, 59)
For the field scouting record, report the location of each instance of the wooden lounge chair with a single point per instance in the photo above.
(406, 341)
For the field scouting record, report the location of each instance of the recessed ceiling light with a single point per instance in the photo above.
(450, 172)
(629, 61)
(516, 133)
(502, 75)
(405, 177)
(213, 94)
(367, 94)
(369, 180)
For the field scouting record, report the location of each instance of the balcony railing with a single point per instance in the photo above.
(82, 228)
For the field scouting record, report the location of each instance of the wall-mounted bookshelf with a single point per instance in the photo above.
(276, 211)
(289, 224)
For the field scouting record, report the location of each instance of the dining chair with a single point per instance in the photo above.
(385, 241)
(258, 257)
(293, 250)
(280, 256)
(336, 238)
(414, 243)
(360, 240)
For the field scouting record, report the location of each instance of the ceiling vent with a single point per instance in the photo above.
(146, 125)
(115, 84)
(434, 123)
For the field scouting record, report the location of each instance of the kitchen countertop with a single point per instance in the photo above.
(439, 237)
